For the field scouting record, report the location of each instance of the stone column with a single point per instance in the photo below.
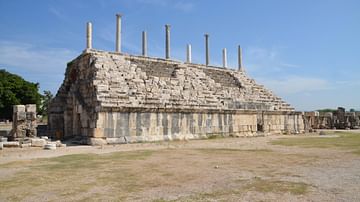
(89, 35)
(167, 41)
(224, 54)
(207, 58)
(188, 53)
(118, 33)
(144, 43)
(240, 66)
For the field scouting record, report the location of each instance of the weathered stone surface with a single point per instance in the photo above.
(338, 119)
(24, 121)
(37, 142)
(50, 146)
(1, 145)
(25, 145)
(122, 98)
(97, 141)
(3, 139)
(11, 144)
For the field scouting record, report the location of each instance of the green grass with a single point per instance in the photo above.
(275, 186)
(255, 184)
(345, 140)
(74, 175)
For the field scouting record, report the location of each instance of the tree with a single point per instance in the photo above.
(45, 100)
(352, 110)
(15, 90)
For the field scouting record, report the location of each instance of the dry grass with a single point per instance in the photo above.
(343, 140)
(130, 175)
(203, 170)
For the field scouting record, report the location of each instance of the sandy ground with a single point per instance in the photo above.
(216, 170)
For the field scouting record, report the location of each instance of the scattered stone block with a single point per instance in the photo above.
(97, 141)
(1, 145)
(25, 145)
(11, 144)
(50, 146)
(37, 142)
(3, 139)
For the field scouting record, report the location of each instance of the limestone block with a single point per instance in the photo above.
(1, 145)
(97, 141)
(37, 142)
(25, 145)
(18, 108)
(21, 116)
(11, 144)
(31, 116)
(30, 108)
(50, 146)
(3, 139)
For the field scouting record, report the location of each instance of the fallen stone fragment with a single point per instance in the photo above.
(36, 142)
(97, 141)
(50, 146)
(11, 144)
(25, 145)
(3, 139)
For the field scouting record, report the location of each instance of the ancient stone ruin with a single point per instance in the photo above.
(24, 122)
(340, 119)
(113, 97)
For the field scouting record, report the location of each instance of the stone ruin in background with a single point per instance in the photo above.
(340, 119)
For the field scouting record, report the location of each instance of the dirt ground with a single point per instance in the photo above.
(225, 169)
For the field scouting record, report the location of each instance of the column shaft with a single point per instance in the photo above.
(188, 53)
(240, 66)
(224, 54)
(207, 57)
(89, 35)
(118, 33)
(167, 41)
(144, 43)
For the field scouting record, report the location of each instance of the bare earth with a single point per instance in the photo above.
(228, 169)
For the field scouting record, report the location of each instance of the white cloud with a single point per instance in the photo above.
(34, 58)
(37, 64)
(57, 13)
(269, 59)
(295, 84)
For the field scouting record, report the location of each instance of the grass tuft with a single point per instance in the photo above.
(344, 140)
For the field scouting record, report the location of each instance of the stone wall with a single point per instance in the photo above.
(339, 119)
(24, 121)
(156, 99)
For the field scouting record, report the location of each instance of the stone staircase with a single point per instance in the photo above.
(224, 78)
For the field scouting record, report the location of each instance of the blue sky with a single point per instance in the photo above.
(306, 51)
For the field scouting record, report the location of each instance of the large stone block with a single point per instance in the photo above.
(37, 142)
(97, 141)
(30, 108)
(18, 108)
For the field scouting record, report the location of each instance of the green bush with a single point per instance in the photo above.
(15, 90)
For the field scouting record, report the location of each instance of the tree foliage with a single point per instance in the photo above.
(326, 110)
(45, 100)
(15, 90)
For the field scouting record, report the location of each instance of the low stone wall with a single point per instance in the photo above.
(124, 127)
